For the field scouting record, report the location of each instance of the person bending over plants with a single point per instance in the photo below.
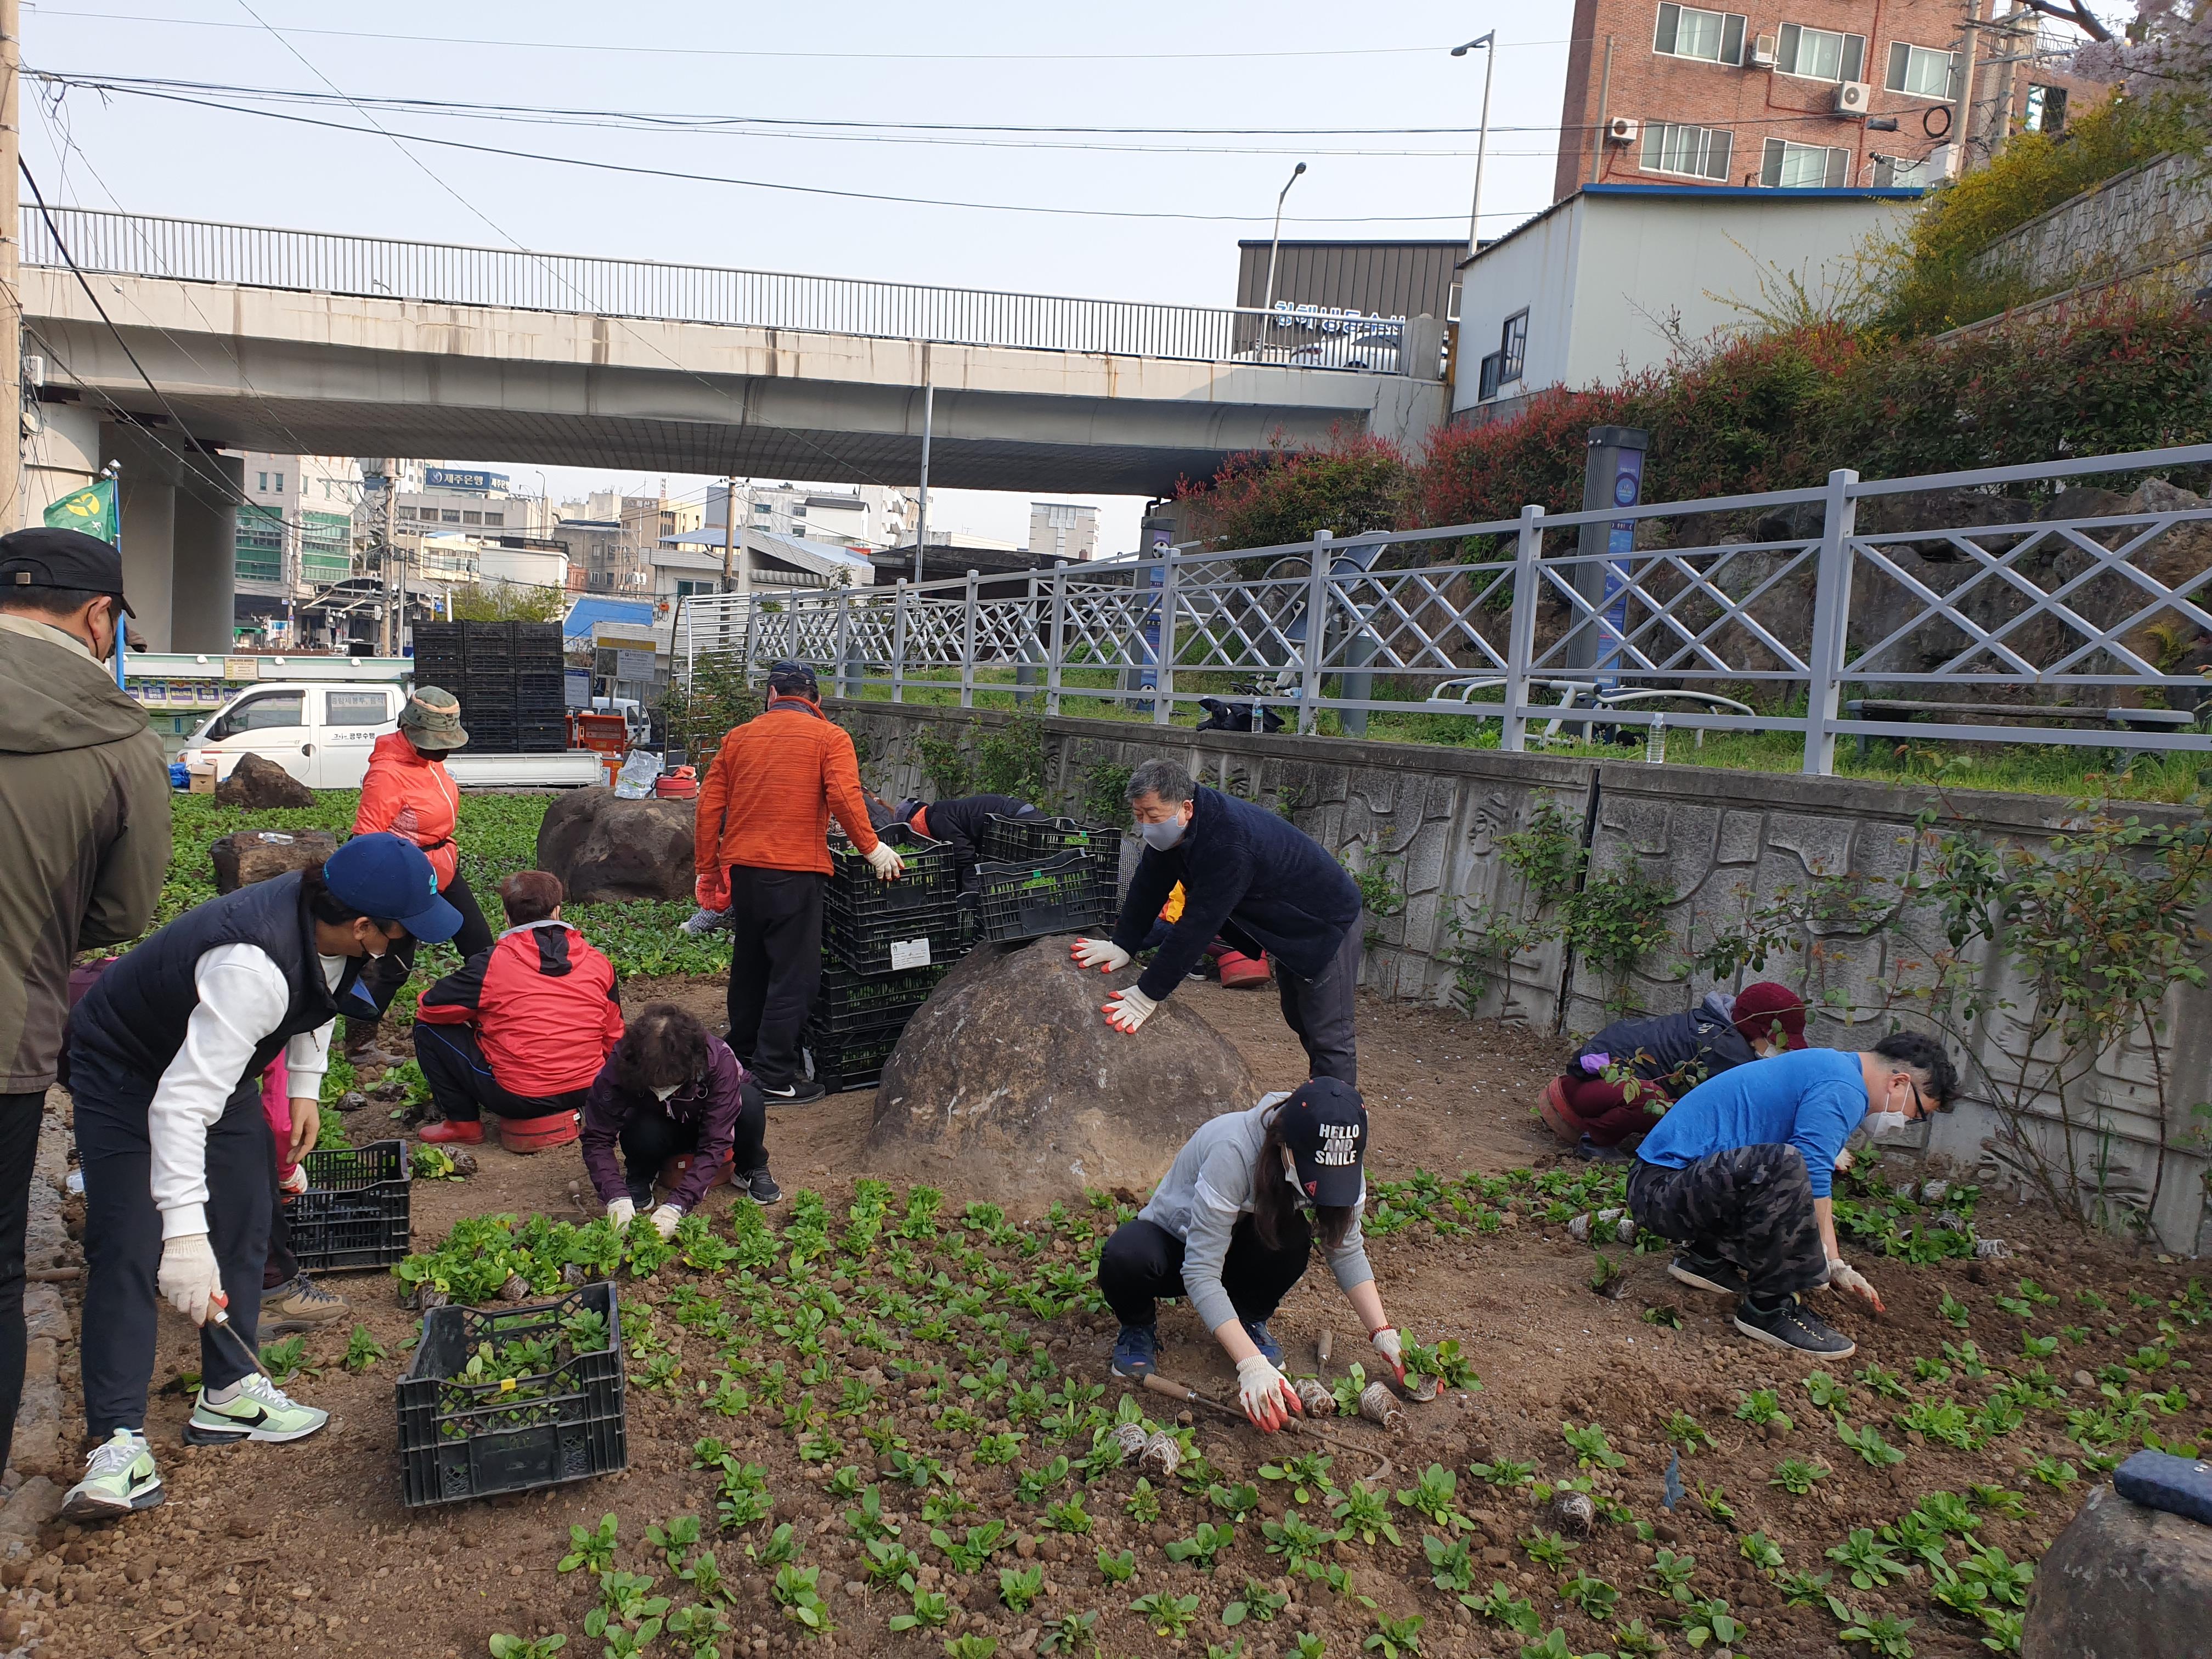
(1617, 1083)
(1232, 1227)
(1739, 1173)
(672, 1087)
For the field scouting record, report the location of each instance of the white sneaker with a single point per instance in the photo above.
(118, 1477)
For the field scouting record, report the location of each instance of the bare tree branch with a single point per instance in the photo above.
(2071, 11)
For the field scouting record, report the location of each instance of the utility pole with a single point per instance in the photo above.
(392, 597)
(1962, 118)
(11, 308)
(729, 530)
(1597, 133)
(921, 511)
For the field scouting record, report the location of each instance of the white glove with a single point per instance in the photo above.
(296, 1181)
(1844, 1161)
(665, 1219)
(189, 1277)
(621, 1212)
(1842, 1276)
(1387, 1343)
(1130, 1009)
(1100, 953)
(1266, 1394)
(885, 863)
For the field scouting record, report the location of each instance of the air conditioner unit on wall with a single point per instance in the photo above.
(1764, 49)
(1854, 98)
(1622, 130)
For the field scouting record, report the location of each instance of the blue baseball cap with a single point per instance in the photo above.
(387, 876)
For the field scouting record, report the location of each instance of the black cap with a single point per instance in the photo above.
(1325, 1126)
(792, 680)
(44, 556)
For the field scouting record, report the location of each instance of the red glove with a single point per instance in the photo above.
(712, 892)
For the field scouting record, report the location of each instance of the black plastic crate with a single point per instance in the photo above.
(892, 941)
(1016, 841)
(541, 737)
(492, 734)
(355, 1211)
(474, 1439)
(850, 1004)
(534, 689)
(930, 874)
(489, 647)
(1073, 892)
(538, 646)
(852, 1062)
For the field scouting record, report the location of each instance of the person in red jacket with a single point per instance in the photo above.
(760, 832)
(521, 1029)
(409, 792)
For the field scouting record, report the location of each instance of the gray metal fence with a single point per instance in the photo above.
(192, 249)
(2053, 629)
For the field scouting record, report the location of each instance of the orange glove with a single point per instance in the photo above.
(712, 892)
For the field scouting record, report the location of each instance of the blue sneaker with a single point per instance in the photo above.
(1136, 1350)
(1270, 1350)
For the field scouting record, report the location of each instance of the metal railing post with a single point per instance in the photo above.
(899, 642)
(968, 645)
(1025, 668)
(1317, 628)
(1164, 667)
(1521, 634)
(1055, 647)
(1831, 621)
(845, 686)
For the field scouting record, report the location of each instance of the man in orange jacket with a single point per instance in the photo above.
(762, 835)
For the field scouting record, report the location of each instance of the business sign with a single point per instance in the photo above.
(473, 483)
(633, 665)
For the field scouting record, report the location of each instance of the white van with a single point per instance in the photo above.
(320, 733)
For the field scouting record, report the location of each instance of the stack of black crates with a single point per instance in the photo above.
(884, 946)
(1043, 876)
(508, 677)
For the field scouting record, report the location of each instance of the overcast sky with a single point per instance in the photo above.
(1144, 66)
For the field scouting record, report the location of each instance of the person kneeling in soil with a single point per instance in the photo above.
(672, 1087)
(1231, 1225)
(1739, 1173)
(1617, 1083)
(166, 1056)
(520, 1030)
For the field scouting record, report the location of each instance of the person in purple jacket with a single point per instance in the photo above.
(672, 1086)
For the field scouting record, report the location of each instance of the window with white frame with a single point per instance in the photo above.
(1820, 54)
(1920, 71)
(1512, 347)
(1693, 152)
(1903, 171)
(1713, 37)
(1803, 166)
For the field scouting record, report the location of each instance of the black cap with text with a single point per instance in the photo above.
(1325, 1126)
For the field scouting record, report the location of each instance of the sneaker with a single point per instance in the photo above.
(118, 1477)
(795, 1094)
(761, 1188)
(299, 1304)
(452, 1132)
(1795, 1327)
(259, 1411)
(1708, 1272)
(1591, 1152)
(1270, 1350)
(1135, 1351)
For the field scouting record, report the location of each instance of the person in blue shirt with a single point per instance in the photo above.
(1738, 1173)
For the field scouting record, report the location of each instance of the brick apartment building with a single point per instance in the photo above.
(1805, 94)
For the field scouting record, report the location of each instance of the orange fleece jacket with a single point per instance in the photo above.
(768, 796)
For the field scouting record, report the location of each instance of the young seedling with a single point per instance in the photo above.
(1205, 1542)
(1364, 1514)
(1870, 1562)
(675, 1539)
(1236, 1502)
(1307, 1476)
(1070, 1634)
(1886, 1638)
(1068, 1517)
(521, 1647)
(1883, 1381)
(1143, 1504)
(1759, 1407)
(1593, 1595)
(1796, 1476)
(1515, 1612)
(1636, 1640)
(889, 1561)
(363, 1349)
(1761, 1552)
(2054, 1471)
(1955, 1310)
(1549, 1550)
(591, 1549)
(1714, 1500)
(1997, 1500)
(1394, 1637)
(1018, 1588)
(1451, 1566)
(1590, 1447)
(1710, 1621)
(1869, 1443)
(1305, 1645)
(1828, 1393)
(1500, 1471)
(926, 1609)
(1117, 1569)
(1670, 1574)
(1169, 1616)
(1686, 1431)
(1435, 1496)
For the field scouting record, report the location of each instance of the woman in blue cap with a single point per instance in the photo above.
(166, 1056)
(1232, 1226)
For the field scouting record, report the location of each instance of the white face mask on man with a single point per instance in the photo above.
(1883, 1123)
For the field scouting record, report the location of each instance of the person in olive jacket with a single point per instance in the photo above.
(671, 1087)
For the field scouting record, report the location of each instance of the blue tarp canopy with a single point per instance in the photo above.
(576, 631)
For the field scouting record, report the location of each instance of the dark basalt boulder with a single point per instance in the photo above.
(606, 849)
(262, 784)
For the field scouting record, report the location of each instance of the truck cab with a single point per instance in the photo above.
(319, 732)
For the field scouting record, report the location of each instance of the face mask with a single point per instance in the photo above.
(663, 1094)
(1883, 1123)
(1161, 836)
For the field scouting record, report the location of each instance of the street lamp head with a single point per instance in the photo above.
(1482, 40)
(1296, 170)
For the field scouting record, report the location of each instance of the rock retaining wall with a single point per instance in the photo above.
(1428, 819)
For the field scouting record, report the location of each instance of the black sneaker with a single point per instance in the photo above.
(801, 1093)
(1708, 1272)
(1589, 1151)
(1795, 1327)
(761, 1188)
(1136, 1351)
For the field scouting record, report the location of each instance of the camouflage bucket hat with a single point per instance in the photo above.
(432, 720)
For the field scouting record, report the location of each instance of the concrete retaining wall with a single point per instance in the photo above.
(1724, 842)
(2158, 210)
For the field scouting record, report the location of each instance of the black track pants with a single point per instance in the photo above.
(1143, 1261)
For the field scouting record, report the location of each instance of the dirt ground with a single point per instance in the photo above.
(309, 1549)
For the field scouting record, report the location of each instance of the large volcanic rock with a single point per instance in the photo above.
(1010, 1072)
(606, 849)
(245, 856)
(2123, 1581)
(259, 783)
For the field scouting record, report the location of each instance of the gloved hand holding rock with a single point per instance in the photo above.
(1100, 953)
(1129, 1010)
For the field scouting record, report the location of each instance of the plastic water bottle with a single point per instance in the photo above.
(1654, 740)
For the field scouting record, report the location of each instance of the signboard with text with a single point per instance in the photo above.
(468, 479)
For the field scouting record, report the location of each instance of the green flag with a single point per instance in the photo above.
(91, 509)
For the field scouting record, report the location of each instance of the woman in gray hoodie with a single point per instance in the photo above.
(1232, 1226)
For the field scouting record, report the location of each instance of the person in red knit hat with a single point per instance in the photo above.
(1619, 1083)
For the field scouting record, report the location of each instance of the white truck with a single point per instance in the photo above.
(321, 732)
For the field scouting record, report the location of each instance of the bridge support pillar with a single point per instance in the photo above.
(180, 532)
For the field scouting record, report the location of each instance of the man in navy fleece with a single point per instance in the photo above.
(1259, 882)
(1739, 1171)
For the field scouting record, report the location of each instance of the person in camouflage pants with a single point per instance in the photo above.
(1751, 1206)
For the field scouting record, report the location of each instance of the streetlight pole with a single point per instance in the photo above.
(1275, 243)
(922, 507)
(1488, 44)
